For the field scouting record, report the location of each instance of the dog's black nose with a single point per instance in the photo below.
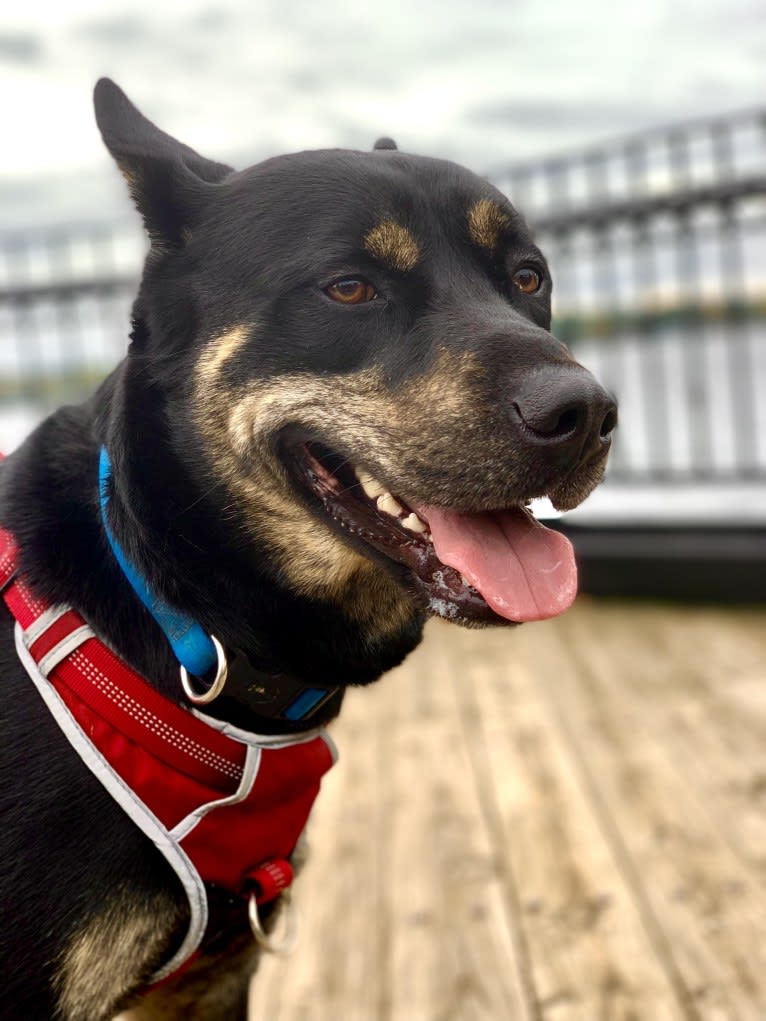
(565, 407)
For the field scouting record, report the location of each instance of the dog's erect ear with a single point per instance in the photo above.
(385, 143)
(169, 181)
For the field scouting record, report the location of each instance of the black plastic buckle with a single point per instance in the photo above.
(277, 695)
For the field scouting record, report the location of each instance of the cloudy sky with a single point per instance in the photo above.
(484, 82)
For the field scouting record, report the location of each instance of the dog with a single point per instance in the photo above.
(341, 393)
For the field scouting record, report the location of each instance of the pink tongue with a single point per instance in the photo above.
(523, 570)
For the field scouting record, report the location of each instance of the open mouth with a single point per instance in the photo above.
(495, 566)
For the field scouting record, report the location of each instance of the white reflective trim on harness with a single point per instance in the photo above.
(41, 624)
(146, 821)
(249, 773)
(60, 651)
(268, 740)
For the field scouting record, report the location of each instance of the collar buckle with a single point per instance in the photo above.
(277, 696)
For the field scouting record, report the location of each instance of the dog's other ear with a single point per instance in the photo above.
(169, 181)
(385, 143)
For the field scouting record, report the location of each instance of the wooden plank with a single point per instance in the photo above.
(706, 908)
(453, 952)
(410, 922)
(708, 702)
(702, 695)
(339, 968)
(589, 953)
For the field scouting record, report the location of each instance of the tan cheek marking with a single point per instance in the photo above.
(450, 386)
(312, 558)
(218, 352)
(393, 245)
(236, 423)
(486, 222)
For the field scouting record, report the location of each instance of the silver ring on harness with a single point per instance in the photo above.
(289, 939)
(216, 687)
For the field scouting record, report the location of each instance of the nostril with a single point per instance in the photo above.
(551, 423)
(609, 424)
(567, 422)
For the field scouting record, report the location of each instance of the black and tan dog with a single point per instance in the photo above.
(340, 393)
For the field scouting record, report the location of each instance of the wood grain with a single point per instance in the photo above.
(561, 822)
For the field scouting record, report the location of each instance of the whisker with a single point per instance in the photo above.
(199, 499)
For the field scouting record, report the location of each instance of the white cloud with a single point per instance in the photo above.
(483, 82)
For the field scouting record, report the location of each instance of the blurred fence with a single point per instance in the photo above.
(658, 248)
(65, 297)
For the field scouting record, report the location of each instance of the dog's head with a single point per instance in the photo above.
(355, 349)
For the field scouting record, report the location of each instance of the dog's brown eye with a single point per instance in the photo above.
(527, 279)
(351, 291)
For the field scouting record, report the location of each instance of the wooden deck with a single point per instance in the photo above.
(563, 822)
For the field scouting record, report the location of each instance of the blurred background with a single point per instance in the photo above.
(632, 136)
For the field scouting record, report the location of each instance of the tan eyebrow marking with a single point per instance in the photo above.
(392, 244)
(486, 221)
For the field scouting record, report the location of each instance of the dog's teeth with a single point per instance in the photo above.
(371, 486)
(413, 522)
(388, 505)
(465, 580)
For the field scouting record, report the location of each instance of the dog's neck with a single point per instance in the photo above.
(176, 536)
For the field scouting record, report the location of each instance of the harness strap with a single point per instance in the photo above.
(223, 805)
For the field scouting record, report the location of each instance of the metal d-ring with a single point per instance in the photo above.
(284, 945)
(216, 687)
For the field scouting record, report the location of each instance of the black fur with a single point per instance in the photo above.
(258, 248)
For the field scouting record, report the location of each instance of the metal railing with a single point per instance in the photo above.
(658, 249)
(65, 297)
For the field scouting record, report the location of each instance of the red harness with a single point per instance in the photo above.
(223, 805)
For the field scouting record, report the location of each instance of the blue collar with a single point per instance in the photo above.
(288, 699)
(192, 646)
